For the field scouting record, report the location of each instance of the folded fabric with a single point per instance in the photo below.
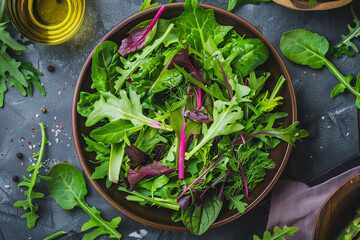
(297, 205)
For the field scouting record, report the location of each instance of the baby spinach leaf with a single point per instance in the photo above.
(103, 68)
(253, 53)
(234, 3)
(279, 234)
(196, 25)
(30, 194)
(67, 187)
(307, 48)
(345, 46)
(114, 132)
(199, 219)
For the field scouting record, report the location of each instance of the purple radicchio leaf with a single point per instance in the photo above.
(147, 171)
(136, 156)
(187, 200)
(182, 60)
(198, 115)
(137, 37)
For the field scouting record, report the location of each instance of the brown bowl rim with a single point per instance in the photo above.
(75, 116)
(336, 191)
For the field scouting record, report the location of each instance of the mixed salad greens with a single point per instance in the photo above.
(180, 116)
(352, 229)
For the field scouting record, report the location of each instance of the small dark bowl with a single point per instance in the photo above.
(160, 217)
(305, 5)
(338, 210)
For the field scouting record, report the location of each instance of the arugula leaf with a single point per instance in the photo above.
(344, 46)
(307, 48)
(55, 235)
(235, 202)
(147, 4)
(279, 234)
(30, 194)
(30, 73)
(17, 74)
(196, 25)
(67, 186)
(166, 203)
(126, 108)
(103, 69)
(227, 117)
(199, 219)
(234, 3)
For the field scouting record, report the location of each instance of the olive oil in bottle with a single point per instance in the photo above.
(48, 22)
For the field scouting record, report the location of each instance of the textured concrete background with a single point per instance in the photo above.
(332, 123)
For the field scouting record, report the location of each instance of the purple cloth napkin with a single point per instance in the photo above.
(297, 205)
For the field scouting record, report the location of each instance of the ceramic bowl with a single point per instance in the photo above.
(160, 217)
(338, 210)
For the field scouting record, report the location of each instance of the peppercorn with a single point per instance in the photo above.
(20, 155)
(51, 68)
(15, 178)
(43, 110)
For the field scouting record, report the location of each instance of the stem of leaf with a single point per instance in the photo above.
(341, 77)
(2, 13)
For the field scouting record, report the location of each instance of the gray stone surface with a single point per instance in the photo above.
(333, 123)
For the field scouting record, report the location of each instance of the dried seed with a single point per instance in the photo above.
(51, 68)
(43, 110)
(15, 178)
(19, 155)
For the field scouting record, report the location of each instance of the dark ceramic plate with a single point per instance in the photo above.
(160, 217)
(338, 210)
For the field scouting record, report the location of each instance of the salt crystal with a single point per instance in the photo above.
(49, 143)
(68, 145)
(37, 115)
(52, 130)
(34, 146)
(30, 147)
(55, 118)
(56, 140)
(139, 234)
(347, 134)
(323, 117)
(7, 186)
(59, 92)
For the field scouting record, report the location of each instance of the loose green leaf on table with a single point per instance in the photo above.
(308, 48)
(20, 75)
(279, 234)
(30, 194)
(55, 235)
(67, 186)
(234, 3)
(346, 46)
